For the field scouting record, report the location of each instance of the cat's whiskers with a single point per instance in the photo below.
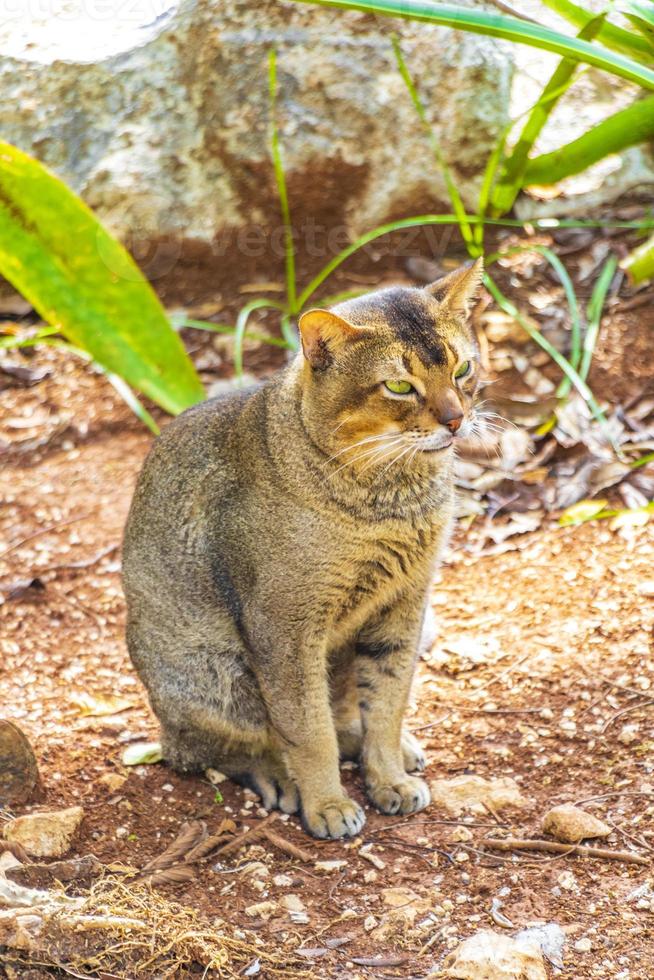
(369, 452)
(397, 458)
(382, 456)
(354, 445)
(343, 422)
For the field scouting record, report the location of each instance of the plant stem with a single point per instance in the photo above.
(289, 245)
(508, 187)
(632, 125)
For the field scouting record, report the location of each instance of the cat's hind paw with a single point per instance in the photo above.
(412, 754)
(404, 796)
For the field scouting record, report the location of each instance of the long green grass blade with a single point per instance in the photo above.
(228, 331)
(511, 180)
(455, 198)
(594, 313)
(614, 37)
(625, 128)
(280, 178)
(503, 26)
(240, 329)
(505, 304)
(79, 279)
(452, 219)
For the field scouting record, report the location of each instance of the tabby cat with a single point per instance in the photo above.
(280, 547)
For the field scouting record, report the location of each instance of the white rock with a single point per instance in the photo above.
(474, 793)
(293, 903)
(492, 956)
(262, 910)
(282, 881)
(328, 867)
(567, 881)
(46, 834)
(583, 945)
(628, 734)
(570, 824)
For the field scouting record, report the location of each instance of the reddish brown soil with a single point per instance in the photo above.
(564, 623)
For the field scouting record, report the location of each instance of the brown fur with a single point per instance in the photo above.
(276, 568)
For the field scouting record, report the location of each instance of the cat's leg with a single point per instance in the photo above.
(349, 727)
(295, 688)
(386, 655)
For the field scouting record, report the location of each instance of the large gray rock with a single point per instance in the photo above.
(169, 137)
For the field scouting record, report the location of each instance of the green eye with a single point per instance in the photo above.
(399, 387)
(463, 369)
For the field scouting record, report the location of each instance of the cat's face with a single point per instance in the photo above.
(391, 377)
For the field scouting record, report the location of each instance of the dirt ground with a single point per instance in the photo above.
(541, 671)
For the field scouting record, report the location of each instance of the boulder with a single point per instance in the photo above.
(46, 834)
(19, 773)
(165, 130)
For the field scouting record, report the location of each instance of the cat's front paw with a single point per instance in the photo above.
(412, 754)
(334, 818)
(407, 795)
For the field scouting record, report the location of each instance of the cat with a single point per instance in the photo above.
(280, 547)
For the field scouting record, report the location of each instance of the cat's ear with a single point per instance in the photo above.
(323, 334)
(457, 290)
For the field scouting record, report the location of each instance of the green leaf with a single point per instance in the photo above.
(639, 264)
(583, 510)
(625, 128)
(509, 28)
(218, 797)
(641, 16)
(83, 282)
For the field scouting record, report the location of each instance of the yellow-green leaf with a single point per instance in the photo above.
(78, 278)
(583, 510)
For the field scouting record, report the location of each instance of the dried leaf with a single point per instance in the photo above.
(189, 836)
(98, 705)
(173, 876)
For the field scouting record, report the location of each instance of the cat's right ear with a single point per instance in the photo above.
(323, 334)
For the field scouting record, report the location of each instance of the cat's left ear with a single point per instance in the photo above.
(457, 290)
(323, 334)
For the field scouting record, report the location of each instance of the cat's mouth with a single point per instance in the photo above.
(433, 446)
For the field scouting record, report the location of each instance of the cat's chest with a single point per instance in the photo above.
(381, 569)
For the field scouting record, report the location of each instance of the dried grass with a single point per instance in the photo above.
(126, 929)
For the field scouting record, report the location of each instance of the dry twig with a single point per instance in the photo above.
(552, 847)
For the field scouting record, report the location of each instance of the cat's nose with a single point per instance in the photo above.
(452, 417)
